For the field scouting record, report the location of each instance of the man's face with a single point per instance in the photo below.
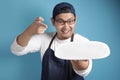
(64, 24)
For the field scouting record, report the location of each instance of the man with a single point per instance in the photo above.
(34, 39)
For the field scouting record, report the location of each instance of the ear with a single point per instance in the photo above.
(75, 19)
(53, 21)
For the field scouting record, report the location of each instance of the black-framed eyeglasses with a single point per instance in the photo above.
(62, 22)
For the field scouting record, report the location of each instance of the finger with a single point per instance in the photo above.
(74, 61)
(39, 31)
(43, 25)
(40, 19)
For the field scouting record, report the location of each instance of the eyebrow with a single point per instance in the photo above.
(63, 19)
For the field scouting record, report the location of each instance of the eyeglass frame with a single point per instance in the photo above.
(63, 21)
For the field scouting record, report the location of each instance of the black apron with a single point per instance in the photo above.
(54, 68)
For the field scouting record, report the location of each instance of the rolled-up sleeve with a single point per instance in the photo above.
(17, 49)
(32, 46)
(86, 71)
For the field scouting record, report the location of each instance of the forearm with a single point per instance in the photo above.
(23, 38)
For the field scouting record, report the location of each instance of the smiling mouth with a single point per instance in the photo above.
(65, 31)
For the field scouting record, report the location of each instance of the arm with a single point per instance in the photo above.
(26, 42)
(82, 67)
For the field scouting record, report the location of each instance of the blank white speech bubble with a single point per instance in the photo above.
(81, 51)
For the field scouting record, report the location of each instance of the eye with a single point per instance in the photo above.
(60, 21)
(71, 21)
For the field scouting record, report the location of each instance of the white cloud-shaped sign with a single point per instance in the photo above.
(84, 50)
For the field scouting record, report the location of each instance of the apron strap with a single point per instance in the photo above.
(70, 65)
(52, 40)
(72, 37)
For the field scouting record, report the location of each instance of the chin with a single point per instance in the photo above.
(66, 36)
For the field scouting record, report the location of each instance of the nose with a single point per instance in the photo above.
(66, 24)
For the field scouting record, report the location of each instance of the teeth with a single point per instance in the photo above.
(65, 31)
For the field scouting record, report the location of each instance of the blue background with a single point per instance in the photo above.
(97, 20)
